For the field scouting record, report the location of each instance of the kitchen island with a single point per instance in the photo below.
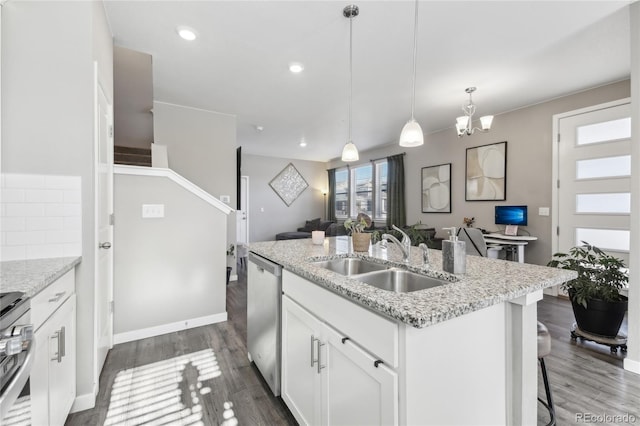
(463, 352)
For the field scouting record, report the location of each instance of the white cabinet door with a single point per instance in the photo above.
(300, 378)
(326, 381)
(53, 375)
(62, 364)
(39, 377)
(355, 391)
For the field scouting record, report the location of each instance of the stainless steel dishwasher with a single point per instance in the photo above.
(264, 291)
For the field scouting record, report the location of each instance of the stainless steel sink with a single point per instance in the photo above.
(350, 266)
(399, 281)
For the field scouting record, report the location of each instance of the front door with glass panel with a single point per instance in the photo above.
(594, 168)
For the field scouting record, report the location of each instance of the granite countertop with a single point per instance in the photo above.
(485, 283)
(31, 276)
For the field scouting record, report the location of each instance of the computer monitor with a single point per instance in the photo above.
(511, 215)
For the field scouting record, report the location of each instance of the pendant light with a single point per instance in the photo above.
(411, 134)
(350, 151)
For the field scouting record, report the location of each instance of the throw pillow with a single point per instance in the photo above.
(324, 225)
(311, 225)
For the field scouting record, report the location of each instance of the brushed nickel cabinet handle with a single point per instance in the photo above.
(57, 297)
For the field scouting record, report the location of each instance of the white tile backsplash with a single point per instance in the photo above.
(24, 210)
(40, 216)
(11, 195)
(23, 181)
(62, 182)
(43, 195)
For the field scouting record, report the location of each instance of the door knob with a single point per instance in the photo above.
(106, 245)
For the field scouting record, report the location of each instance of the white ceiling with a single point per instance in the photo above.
(517, 53)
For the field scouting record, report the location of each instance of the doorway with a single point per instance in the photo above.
(242, 220)
(592, 170)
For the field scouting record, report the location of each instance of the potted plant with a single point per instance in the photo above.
(360, 239)
(597, 304)
(230, 252)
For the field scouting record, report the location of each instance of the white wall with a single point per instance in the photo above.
(201, 146)
(529, 150)
(268, 214)
(171, 269)
(48, 49)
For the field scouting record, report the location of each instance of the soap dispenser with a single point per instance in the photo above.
(454, 253)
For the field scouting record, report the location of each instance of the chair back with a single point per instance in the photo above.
(474, 241)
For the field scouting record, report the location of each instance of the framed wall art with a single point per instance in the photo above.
(486, 173)
(288, 184)
(436, 189)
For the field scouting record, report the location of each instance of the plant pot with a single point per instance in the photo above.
(229, 268)
(361, 241)
(600, 317)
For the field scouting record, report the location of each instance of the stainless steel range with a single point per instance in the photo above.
(16, 347)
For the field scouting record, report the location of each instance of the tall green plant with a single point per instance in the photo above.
(600, 275)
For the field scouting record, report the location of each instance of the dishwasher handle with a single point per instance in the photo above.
(267, 265)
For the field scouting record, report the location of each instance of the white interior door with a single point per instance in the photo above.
(103, 319)
(242, 218)
(594, 170)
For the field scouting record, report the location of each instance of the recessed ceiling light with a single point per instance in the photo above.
(303, 144)
(296, 67)
(186, 33)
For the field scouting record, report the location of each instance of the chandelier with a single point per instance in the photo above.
(464, 124)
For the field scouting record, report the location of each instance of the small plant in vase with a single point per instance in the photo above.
(360, 239)
(469, 221)
(595, 296)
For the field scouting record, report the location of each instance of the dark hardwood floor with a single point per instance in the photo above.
(234, 392)
(202, 376)
(586, 378)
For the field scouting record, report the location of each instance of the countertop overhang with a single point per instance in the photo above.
(486, 282)
(33, 275)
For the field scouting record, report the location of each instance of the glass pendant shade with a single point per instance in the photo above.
(486, 121)
(461, 124)
(350, 152)
(411, 134)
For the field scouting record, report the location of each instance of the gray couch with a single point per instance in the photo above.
(330, 228)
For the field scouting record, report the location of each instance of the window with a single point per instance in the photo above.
(362, 189)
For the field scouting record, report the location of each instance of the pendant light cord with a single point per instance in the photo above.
(415, 56)
(350, 72)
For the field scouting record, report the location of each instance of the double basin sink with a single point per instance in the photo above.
(380, 276)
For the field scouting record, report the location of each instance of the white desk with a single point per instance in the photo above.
(502, 240)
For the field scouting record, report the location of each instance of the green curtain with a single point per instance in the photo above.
(396, 210)
(331, 205)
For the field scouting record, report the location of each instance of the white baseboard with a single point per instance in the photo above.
(85, 401)
(632, 365)
(130, 336)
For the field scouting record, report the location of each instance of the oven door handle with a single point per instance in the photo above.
(16, 385)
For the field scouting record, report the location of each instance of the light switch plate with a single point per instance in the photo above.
(225, 198)
(543, 211)
(152, 211)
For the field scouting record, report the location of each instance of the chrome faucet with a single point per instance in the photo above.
(425, 256)
(405, 245)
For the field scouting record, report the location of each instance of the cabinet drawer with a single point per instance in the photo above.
(51, 298)
(377, 334)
